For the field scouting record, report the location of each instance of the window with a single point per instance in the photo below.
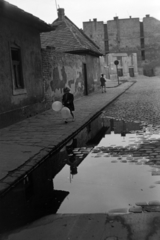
(106, 46)
(120, 72)
(143, 54)
(142, 42)
(17, 68)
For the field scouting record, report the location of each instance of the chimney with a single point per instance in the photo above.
(61, 14)
(115, 18)
(130, 16)
(147, 15)
(95, 19)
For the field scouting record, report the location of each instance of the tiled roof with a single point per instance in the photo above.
(69, 38)
(17, 14)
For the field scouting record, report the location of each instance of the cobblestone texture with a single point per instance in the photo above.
(141, 102)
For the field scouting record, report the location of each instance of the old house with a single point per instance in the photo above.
(129, 36)
(126, 68)
(70, 58)
(21, 83)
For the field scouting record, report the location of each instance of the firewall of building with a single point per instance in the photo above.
(129, 36)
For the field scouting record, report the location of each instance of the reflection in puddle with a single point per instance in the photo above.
(58, 198)
(120, 171)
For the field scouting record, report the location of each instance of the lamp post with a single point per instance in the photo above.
(116, 62)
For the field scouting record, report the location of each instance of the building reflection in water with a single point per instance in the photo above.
(120, 126)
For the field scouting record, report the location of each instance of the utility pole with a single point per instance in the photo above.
(116, 62)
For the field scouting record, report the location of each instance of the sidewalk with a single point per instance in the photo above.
(24, 144)
(136, 226)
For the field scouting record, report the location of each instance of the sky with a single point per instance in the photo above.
(79, 11)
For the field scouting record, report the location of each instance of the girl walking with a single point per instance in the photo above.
(68, 101)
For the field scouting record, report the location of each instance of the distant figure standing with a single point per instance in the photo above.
(68, 101)
(103, 81)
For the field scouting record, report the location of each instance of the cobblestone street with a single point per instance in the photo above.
(32, 139)
(141, 102)
(79, 120)
(138, 105)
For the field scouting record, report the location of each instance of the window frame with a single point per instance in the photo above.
(19, 73)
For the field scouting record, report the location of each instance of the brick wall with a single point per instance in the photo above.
(95, 30)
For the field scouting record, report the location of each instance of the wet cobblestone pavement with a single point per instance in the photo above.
(125, 163)
(139, 148)
(140, 103)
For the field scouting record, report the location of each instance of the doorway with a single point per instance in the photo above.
(131, 72)
(85, 79)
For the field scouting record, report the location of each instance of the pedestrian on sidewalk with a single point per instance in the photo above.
(103, 83)
(68, 101)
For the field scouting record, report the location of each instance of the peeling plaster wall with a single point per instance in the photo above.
(103, 66)
(17, 107)
(93, 72)
(61, 69)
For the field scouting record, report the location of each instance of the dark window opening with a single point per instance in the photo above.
(131, 72)
(141, 29)
(85, 79)
(120, 72)
(143, 54)
(17, 68)
(106, 46)
(142, 42)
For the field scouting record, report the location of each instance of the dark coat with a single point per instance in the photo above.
(68, 101)
(102, 80)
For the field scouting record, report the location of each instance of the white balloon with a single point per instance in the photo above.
(56, 106)
(65, 112)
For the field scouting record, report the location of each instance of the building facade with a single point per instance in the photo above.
(129, 36)
(21, 83)
(151, 46)
(126, 68)
(70, 58)
(65, 69)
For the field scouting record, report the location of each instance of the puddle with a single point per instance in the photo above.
(122, 170)
(115, 172)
